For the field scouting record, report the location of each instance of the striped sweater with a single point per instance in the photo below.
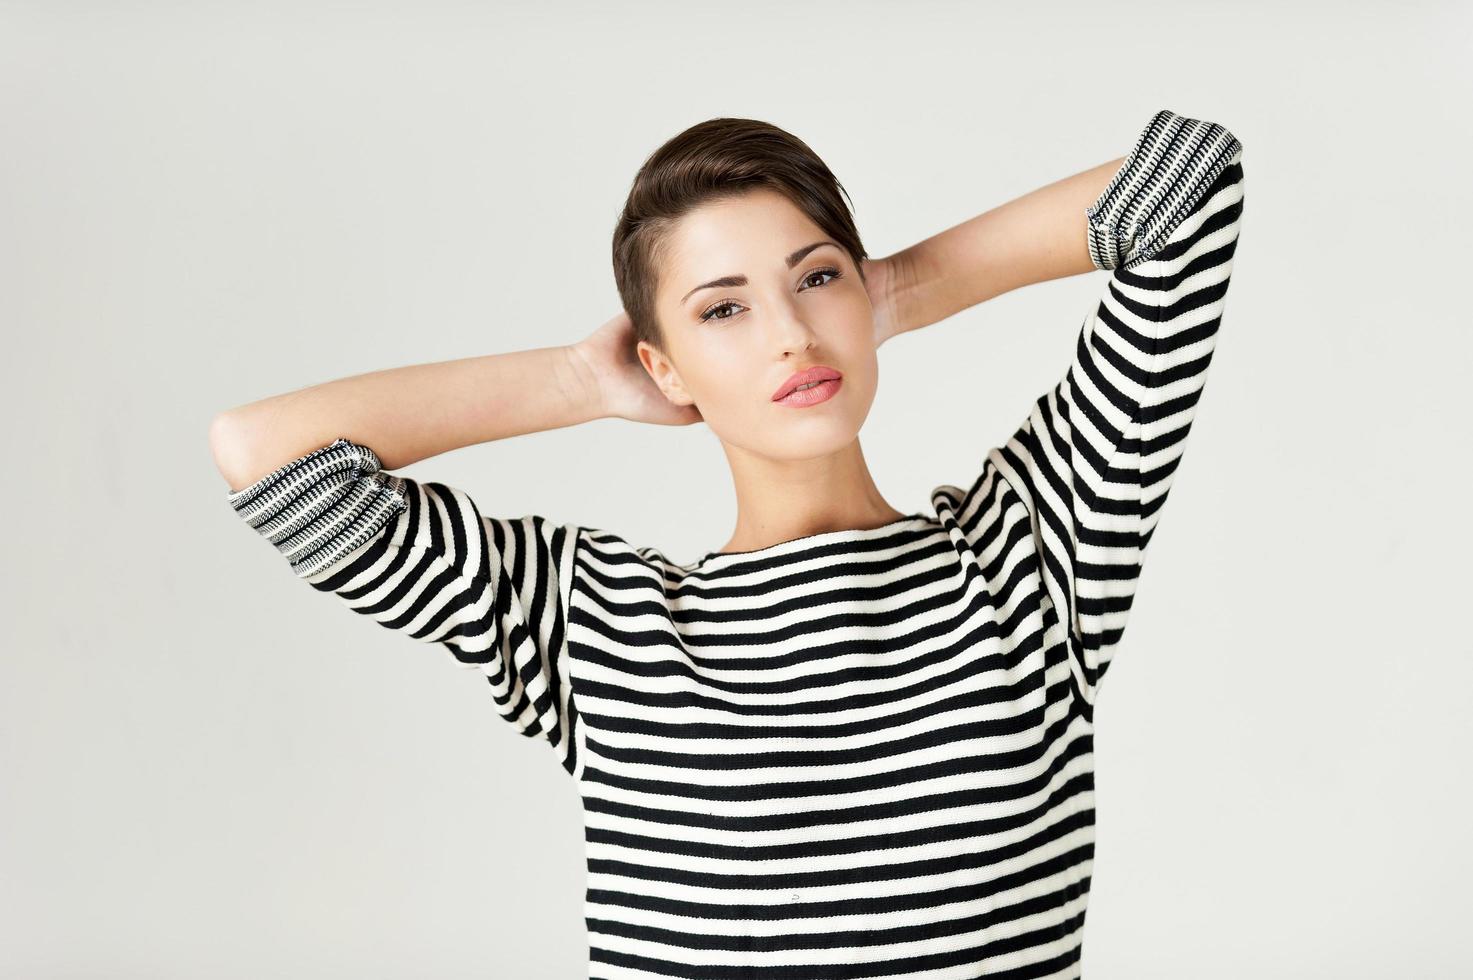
(858, 753)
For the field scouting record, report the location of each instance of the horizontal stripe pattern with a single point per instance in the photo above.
(420, 559)
(863, 753)
(1097, 455)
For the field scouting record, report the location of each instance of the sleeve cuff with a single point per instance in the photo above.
(1173, 163)
(323, 506)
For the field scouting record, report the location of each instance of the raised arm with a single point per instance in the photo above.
(1033, 238)
(1095, 458)
(409, 413)
(309, 472)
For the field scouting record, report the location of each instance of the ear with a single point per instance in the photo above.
(663, 373)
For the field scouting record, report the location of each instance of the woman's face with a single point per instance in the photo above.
(744, 301)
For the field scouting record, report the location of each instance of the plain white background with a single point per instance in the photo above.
(210, 770)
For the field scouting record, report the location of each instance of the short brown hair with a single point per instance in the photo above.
(715, 159)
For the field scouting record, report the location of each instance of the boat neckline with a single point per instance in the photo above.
(805, 541)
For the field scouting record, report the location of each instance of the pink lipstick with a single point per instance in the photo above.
(809, 387)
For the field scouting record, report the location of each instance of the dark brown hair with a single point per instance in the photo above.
(716, 159)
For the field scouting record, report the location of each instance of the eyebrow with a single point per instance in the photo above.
(739, 280)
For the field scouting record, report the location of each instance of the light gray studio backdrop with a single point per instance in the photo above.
(210, 770)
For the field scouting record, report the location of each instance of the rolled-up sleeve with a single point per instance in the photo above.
(421, 559)
(1175, 161)
(323, 506)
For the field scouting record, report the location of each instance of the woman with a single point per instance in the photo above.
(852, 742)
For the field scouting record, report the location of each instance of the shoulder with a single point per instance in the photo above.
(613, 552)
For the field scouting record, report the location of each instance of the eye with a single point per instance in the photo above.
(714, 312)
(826, 271)
(710, 313)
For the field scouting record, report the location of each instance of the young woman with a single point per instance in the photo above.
(852, 742)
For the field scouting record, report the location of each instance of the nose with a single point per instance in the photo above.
(791, 332)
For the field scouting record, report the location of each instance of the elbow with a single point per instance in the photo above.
(1175, 161)
(230, 446)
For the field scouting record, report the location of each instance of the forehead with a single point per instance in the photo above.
(743, 235)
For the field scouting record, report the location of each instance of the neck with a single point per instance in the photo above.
(779, 500)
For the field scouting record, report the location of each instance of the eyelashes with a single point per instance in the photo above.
(710, 313)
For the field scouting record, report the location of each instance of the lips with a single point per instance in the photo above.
(816, 373)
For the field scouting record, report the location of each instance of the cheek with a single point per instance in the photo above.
(719, 374)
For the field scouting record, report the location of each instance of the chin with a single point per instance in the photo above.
(796, 439)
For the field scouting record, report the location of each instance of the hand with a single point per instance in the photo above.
(880, 276)
(626, 389)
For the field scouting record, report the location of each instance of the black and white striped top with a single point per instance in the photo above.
(859, 753)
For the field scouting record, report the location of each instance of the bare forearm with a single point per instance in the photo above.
(407, 414)
(1033, 238)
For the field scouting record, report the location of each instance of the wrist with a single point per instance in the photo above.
(586, 387)
(884, 280)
